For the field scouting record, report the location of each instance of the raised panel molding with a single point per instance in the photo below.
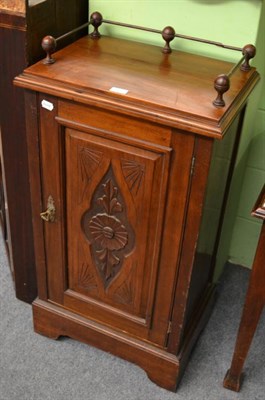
(112, 218)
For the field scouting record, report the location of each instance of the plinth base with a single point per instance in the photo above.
(163, 368)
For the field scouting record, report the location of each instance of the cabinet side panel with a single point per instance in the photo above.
(70, 15)
(173, 227)
(13, 137)
(210, 206)
(54, 17)
(202, 154)
(218, 184)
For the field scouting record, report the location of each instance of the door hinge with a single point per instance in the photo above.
(192, 165)
(169, 328)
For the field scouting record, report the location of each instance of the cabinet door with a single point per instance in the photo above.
(102, 251)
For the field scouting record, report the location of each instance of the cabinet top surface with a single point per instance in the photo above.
(13, 5)
(176, 89)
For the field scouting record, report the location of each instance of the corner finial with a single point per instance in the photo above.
(96, 20)
(221, 85)
(168, 35)
(249, 51)
(49, 45)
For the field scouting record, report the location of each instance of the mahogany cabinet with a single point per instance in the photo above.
(130, 164)
(22, 26)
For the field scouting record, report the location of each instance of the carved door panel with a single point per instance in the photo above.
(111, 210)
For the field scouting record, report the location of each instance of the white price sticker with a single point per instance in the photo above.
(118, 90)
(47, 105)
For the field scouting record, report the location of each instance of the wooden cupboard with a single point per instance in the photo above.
(130, 164)
(23, 23)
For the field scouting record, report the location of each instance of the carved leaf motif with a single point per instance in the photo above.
(109, 200)
(133, 173)
(108, 261)
(89, 161)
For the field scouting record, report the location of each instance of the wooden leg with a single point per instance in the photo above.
(252, 310)
(250, 318)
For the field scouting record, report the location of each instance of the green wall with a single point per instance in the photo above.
(230, 21)
(234, 22)
(251, 175)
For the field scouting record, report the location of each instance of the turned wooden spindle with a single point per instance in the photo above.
(168, 35)
(96, 20)
(221, 85)
(249, 51)
(49, 45)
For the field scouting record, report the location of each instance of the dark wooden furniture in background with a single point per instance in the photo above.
(255, 301)
(130, 165)
(22, 26)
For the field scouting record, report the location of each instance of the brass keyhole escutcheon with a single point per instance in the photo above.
(49, 214)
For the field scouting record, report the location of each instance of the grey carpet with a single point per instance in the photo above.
(33, 367)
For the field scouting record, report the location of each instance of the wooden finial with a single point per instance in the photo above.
(221, 85)
(96, 20)
(249, 51)
(49, 45)
(168, 35)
